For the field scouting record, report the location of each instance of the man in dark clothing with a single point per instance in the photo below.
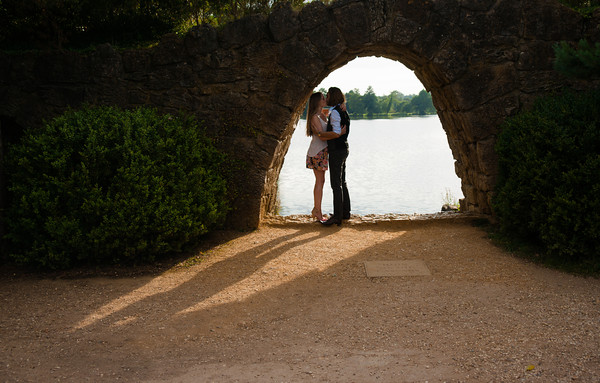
(338, 152)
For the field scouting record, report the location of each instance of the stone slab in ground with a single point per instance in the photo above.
(406, 268)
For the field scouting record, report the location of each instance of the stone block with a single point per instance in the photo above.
(5, 67)
(469, 192)
(170, 50)
(135, 61)
(502, 18)
(201, 39)
(298, 58)
(327, 41)
(416, 11)
(448, 10)
(243, 32)
(550, 20)
(494, 50)
(485, 183)
(473, 26)
(313, 14)
(459, 169)
(482, 203)
(377, 13)
(67, 67)
(480, 86)
(477, 5)
(487, 158)
(536, 55)
(436, 30)
(484, 121)
(404, 30)
(540, 82)
(354, 24)
(592, 26)
(283, 22)
(290, 85)
(452, 59)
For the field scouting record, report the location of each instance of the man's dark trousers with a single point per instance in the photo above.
(337, 178)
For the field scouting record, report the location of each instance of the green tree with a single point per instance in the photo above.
(422, 104)
(354, 102)
(582, 61)
(583, 6)
(56, 23)
(31, 22)
(370, 102)
(395, 101)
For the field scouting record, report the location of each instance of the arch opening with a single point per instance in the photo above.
(396, 165)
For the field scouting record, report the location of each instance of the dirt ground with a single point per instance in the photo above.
(291, 302)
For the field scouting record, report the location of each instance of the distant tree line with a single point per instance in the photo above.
(395, 104)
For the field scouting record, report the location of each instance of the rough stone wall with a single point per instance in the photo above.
(482, 61)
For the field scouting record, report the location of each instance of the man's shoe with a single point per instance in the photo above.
(346, 216)
(331, 221)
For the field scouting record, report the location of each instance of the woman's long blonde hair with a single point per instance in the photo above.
(313, 108)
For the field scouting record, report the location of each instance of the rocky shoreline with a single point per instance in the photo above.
(374, 218)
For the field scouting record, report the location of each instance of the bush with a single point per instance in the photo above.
(585, 7)
(103, 185)
(548, 187)
(581, 62)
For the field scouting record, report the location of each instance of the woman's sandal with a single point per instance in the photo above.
(317, 214)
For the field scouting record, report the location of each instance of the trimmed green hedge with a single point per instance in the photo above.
(548, 188)
(103, 185)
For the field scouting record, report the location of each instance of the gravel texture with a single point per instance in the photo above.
(290, 302)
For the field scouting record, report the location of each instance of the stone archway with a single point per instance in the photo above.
(482, 61)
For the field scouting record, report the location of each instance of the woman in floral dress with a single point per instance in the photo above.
(316, 157)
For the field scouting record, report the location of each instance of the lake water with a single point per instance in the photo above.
(401, 165)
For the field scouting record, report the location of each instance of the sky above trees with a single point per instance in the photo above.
(383, 75)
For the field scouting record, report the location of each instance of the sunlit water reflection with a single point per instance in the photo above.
(400, 165)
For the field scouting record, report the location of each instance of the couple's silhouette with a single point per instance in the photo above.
(329, 150)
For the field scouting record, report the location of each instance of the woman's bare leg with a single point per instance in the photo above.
(318, 192)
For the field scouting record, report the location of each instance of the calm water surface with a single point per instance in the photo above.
(401, 165)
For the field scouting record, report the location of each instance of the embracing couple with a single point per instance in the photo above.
(329, 149)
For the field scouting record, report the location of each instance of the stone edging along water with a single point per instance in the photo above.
(356, 219)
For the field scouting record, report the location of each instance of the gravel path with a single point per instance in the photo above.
(291, 302)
